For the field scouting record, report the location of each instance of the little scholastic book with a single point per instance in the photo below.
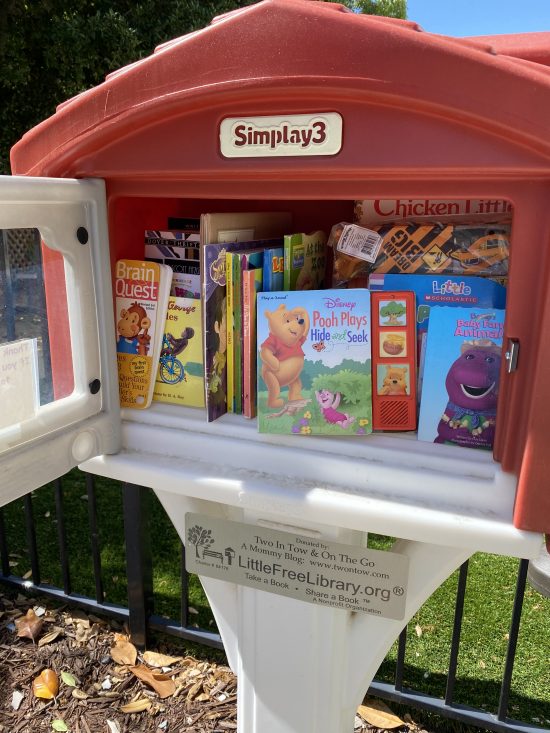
(180, 373)
(304, 261)
(461, 376)
(314, 363)
(141, 290)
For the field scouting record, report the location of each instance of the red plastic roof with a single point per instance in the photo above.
(292, 42)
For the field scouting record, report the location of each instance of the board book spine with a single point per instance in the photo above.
(229, 319)
(252, 284)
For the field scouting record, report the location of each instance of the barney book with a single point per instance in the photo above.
(314, 362)
(461, 376)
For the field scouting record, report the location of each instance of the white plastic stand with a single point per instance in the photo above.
(304, 668)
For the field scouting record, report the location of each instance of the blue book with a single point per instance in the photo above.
(438, 290)
(273, 269)
(461, 376)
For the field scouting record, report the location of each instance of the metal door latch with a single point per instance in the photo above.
(511, 355)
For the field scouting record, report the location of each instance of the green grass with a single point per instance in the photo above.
(488, 604)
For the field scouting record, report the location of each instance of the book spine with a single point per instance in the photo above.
(248, 284)
(229, 322)
(273, 270)
(238, 264)
(287, 260)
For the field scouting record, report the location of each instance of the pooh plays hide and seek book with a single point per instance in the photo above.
(314, 362)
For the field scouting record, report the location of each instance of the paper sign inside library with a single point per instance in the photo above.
(307, 568)
(18, 381)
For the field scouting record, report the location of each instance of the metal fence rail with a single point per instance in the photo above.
(140, 618)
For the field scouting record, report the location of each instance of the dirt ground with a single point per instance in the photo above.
(67, 671)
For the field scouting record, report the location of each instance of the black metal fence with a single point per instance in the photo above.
(141, 619)
(22, 311)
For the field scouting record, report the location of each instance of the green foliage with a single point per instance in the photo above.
(54, 49)
(390, 8)
(353, 386)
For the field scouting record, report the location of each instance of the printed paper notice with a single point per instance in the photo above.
(310, 569)
(18, 381)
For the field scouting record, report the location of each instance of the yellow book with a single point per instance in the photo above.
(180, 373)
(230, 337)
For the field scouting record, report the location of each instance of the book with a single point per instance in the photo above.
(378, 211)
(230, 326)
(433, 290)
(243, 226)
(141, 290)
(213, 267)
(461, 376)
(180, 373)
(238, 262)
(252, 285)
(273, 269)
(304, 261)
(314, 366)
(393, 360)
(180, 250)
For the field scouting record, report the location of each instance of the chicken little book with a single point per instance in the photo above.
(314, 362)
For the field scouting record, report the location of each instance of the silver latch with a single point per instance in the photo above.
(511, 355)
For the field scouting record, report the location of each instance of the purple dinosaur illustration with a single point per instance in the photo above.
(472, 385)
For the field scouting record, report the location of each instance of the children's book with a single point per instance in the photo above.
(235, 264)
(461, 376)
(180, 373)
(243, 226)
(437, 290)
(213, 266)
(180, 250)
(142, 290)
(273, 269)
(314, 365)
(252, 285)
(304, 261)
(379, 211)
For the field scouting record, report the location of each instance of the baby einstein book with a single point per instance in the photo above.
(461, 376)
(141, 290)
(314, 362)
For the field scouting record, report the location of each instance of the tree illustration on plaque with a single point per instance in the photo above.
(200, 537)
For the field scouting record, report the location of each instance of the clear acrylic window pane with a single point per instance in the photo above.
(32, 287)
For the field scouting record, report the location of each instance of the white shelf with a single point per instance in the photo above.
(387, 484)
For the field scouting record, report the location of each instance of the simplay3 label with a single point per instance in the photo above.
(307, 568)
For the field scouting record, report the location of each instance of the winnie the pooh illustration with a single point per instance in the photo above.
(395, 381)
(282, 355)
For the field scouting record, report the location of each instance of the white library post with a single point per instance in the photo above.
(303, 667)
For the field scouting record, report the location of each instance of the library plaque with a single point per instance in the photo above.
(306, 568)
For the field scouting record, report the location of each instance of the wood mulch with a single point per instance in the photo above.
(106, 686)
